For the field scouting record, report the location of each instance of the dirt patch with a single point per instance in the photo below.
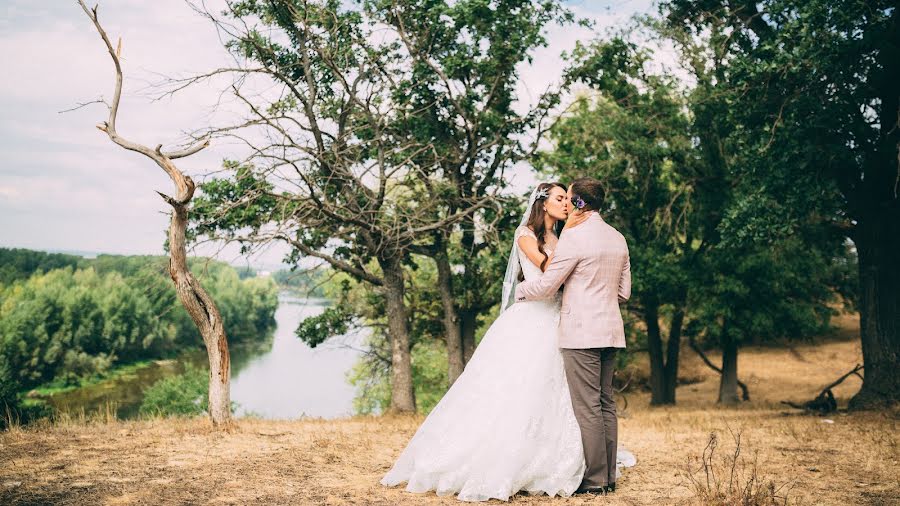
(843, 459)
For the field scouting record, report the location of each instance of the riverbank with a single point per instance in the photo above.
(839, 459)
(119, 390)
(55, 388)
(270, 376)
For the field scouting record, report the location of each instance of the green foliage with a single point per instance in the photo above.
(9, 392)
(429, 364)
(371, 376)
(811, 100)
(360, 309)
(371, 379)
(632, 131)
(183, 395)
(334, 321)
(216, 192)
(305, 283)
(18, 264)
(247, 307)
(69, 325)
(408, 120)
(246, 272)
(749, 254)
(671, 161)
(764, 295)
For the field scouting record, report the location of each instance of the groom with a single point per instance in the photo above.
(591, 258)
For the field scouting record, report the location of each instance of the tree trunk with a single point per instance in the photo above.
(402, 395)
(663, 369)
(468, 324)
(204, 313)
(654, 345)
(455, 355)
(878, 246)
(673, 349)
(728, 383)
(468, 310)
(877, 238)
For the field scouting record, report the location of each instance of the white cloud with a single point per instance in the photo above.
(64, 185)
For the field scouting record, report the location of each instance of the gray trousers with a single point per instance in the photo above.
(589, 373)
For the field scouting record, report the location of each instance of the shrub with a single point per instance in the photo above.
(183, 395)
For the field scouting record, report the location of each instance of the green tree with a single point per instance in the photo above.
(814, 105)
(782, 291)
(668, 166)
(66, 325)
(632, 131)
(306, 282)
(460, 101)
(393, 125)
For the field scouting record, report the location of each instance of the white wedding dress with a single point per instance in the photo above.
(507, 423)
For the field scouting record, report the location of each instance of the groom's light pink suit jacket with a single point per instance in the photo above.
(592, 260)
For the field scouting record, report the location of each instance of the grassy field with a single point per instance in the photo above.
(846, 459)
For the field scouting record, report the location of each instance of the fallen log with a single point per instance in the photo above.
(825, 402)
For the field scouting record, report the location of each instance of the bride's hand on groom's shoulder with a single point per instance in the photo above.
(575, 219)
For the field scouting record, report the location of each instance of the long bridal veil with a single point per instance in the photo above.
(513, 267)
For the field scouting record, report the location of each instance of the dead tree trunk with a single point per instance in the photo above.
(193, 297)
(825, 402)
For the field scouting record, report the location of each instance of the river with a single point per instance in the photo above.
(282, 378)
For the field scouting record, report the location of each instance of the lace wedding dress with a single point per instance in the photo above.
(507, 423)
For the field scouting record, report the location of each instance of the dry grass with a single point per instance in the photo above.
(854, 460)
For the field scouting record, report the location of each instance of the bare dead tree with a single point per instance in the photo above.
(199, 305)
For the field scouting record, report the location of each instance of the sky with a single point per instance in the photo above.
(65, 187)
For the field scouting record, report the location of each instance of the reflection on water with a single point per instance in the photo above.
(123, 392)
(280, 377)
(293, 379)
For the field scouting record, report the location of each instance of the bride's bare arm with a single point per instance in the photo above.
(529, 246)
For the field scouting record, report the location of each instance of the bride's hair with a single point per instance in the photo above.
(536, 219)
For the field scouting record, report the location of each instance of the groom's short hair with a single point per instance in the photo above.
(591, 191)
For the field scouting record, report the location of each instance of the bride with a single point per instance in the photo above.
(507, 423)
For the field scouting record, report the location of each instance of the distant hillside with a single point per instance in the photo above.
(20, 263)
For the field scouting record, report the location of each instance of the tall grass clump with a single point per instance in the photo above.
(730, 479)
